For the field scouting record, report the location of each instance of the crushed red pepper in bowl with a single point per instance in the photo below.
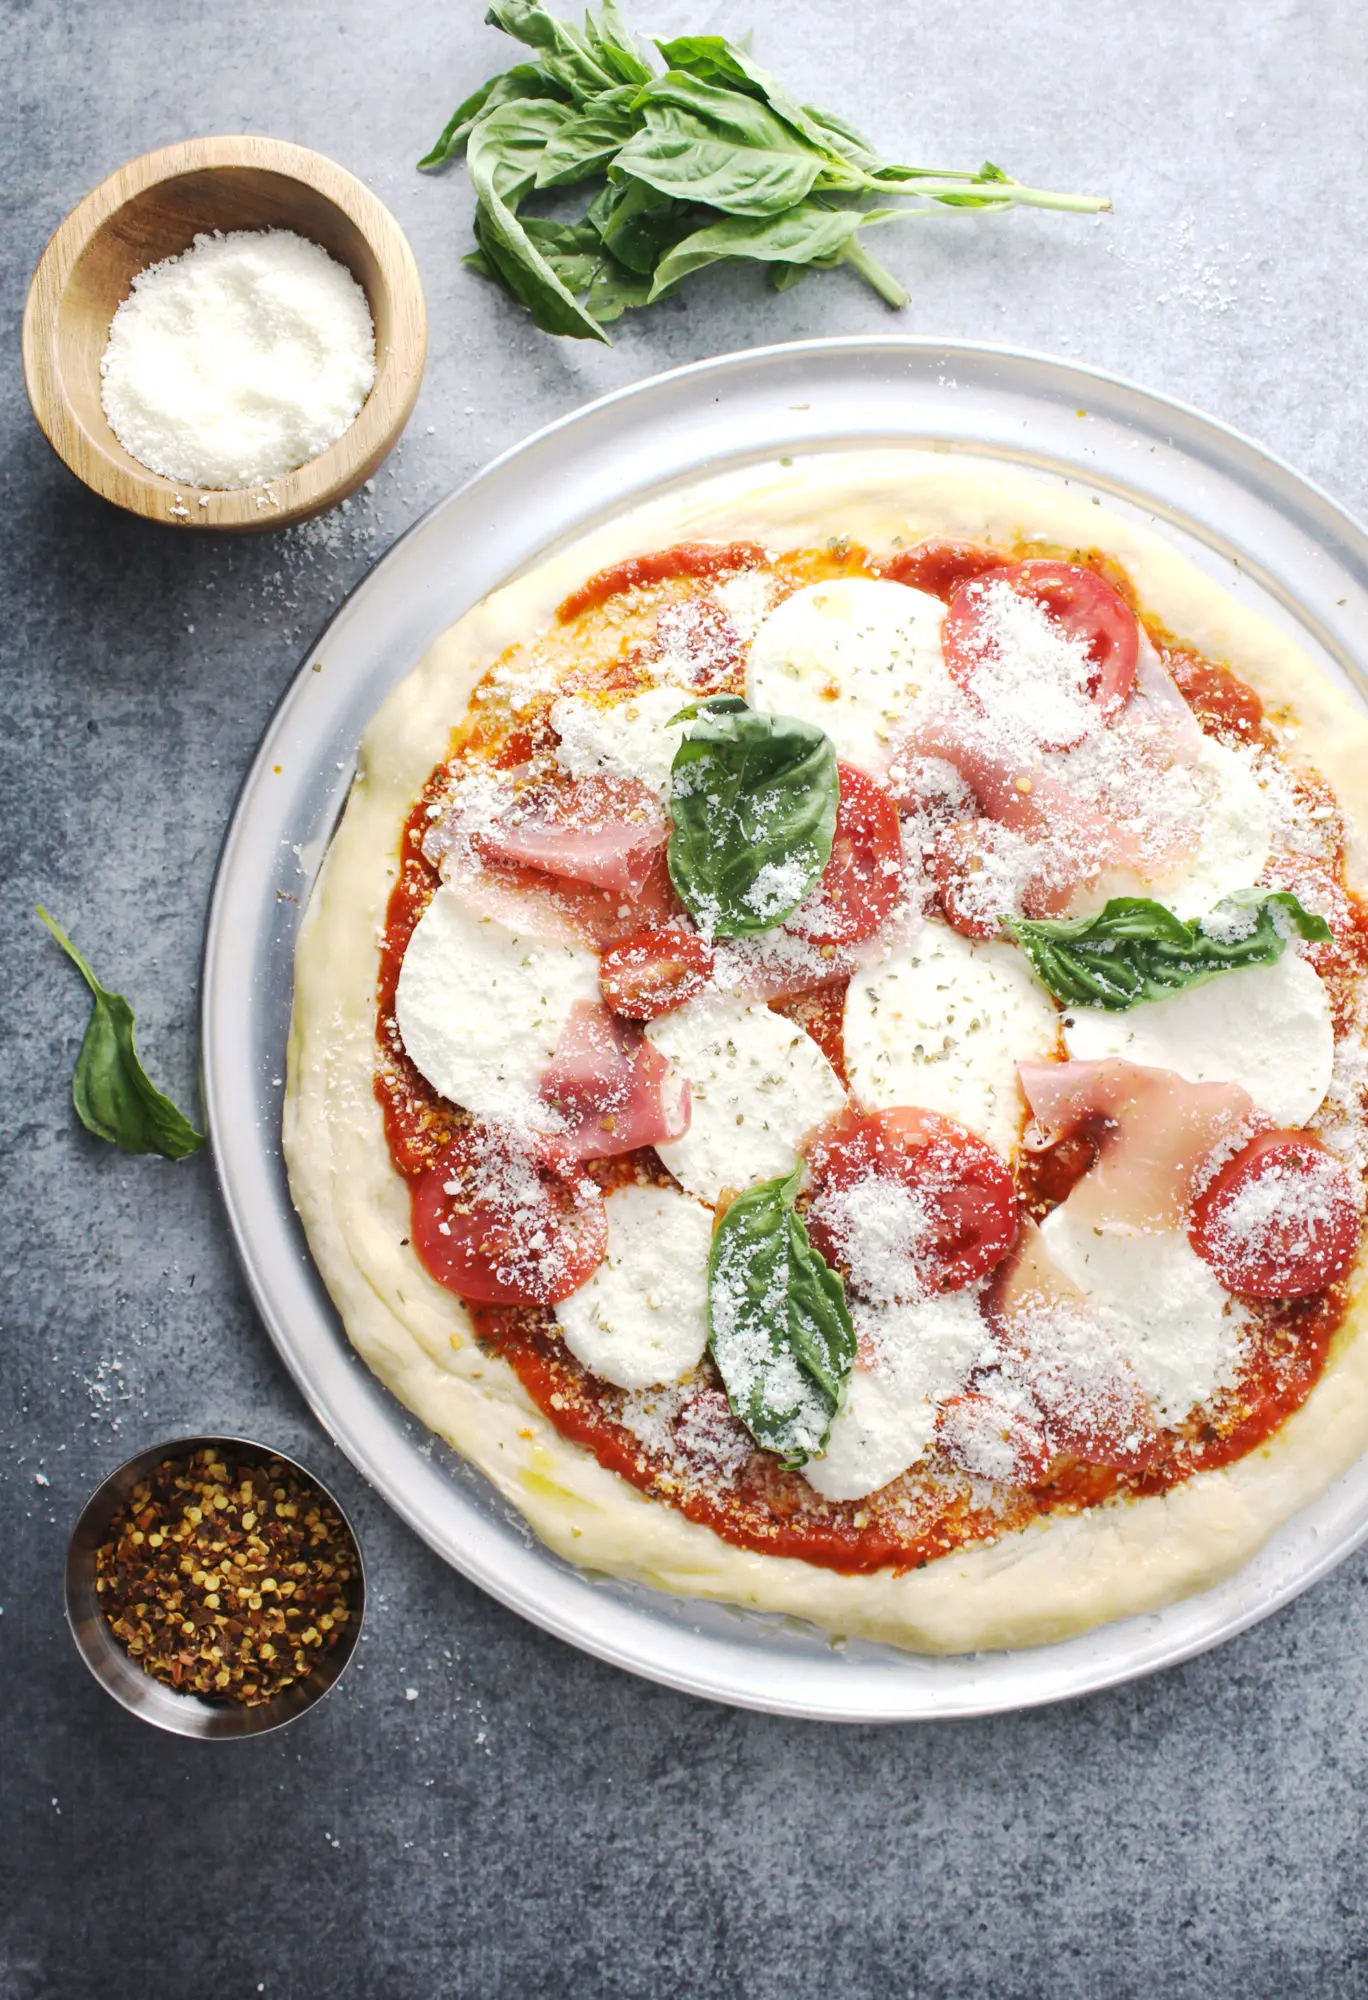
(226, 1579)
(222, 1571)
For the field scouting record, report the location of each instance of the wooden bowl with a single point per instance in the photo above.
(155, 207)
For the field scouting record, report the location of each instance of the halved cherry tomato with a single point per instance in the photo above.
(1279, 1221)
(966, 1190)
(507, 1220)
(1079, 601)
(939, 566)
(863, 879)
(654, 972)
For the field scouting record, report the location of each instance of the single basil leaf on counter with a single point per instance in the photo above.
(753, 800)
(778, 1326)
(587, 144)
(1135, 950)
(502, 152)
(681, 155)
(113, 1095)
(524, 80)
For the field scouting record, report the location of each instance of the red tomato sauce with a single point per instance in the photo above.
(932, 1509)
(697, 559)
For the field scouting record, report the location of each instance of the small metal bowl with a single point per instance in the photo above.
(116, 1670)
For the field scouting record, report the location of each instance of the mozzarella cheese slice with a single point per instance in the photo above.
(759, 1085)
(641, 1319)
(1163, 1308)
(1267, 1028)
(943, 1024)
(1236, 832)
(850, 656)
(922, 1353)
(631, 738)
(480, 1009)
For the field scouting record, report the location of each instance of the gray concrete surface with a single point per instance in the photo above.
(533, 1823)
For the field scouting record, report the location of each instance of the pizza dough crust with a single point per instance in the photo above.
(1061, 1575)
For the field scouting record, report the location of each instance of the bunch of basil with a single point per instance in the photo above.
(701, 156)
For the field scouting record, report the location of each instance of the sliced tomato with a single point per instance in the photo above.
(1281, 1220)
(507, 1220)
(863, 880)
(1079, 601)
(965, 1191)
(989, 1441)
(654, 972)
(939, 566)
(1219, 699)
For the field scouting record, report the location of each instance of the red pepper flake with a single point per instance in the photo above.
(227, 1578)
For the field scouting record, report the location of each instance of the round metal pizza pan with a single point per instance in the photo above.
(1269, 536)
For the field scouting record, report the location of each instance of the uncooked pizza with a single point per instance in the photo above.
(829, 1055)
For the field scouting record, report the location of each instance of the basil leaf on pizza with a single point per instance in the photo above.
(753, 799)
(1135, 949)
(778, 1326)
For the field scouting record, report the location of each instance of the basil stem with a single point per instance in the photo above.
(778, 1326)
(1135, 950)
(113, 1095)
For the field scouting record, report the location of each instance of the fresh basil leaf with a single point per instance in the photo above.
(710, 704)
(778, 1326)
(113, 1095)
(617, 47)
(715, 60)
(784, 276)
(506, 145)
(1135, 950)
(570, 55)
(523, 81)
(799, 235)
(587, 144)
(681, 155)
(851, 144)
(502, 152)
(572, 249)
(638, 224)
(753, 800)
(615, 290)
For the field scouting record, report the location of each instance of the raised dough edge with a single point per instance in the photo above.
(1061, 1576)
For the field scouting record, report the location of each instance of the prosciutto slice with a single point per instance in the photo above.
(586, 866)
(1160, 1129)
(1079, 814)
(612, 1088)
(605, 832)
(1100, 1396)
